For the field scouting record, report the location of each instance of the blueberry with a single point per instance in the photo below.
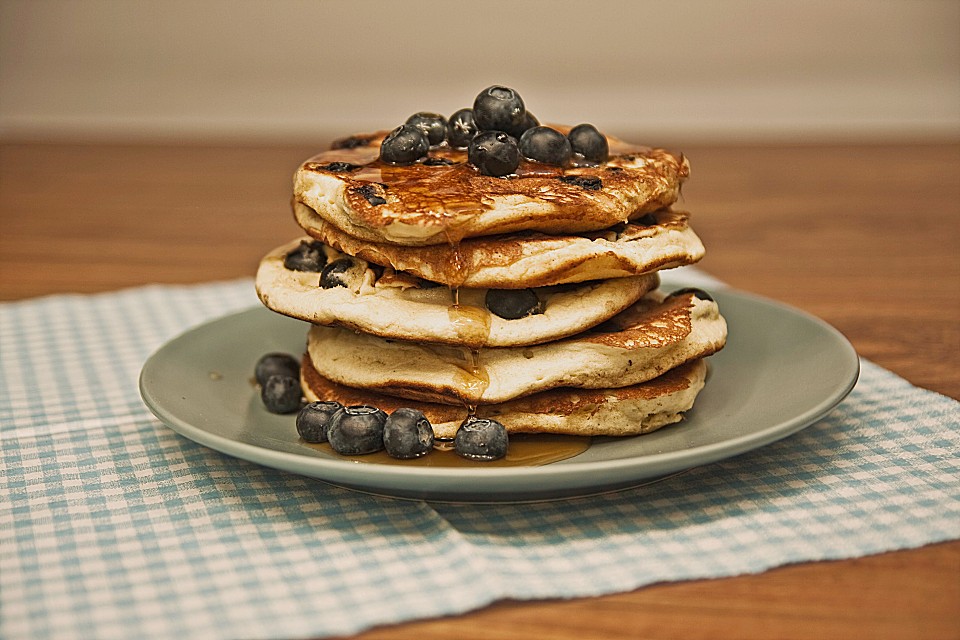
(314, 420)
(461, 128)
(529, 122)
(339, 167)
(357, 430)
(698, 293)
(370, 194)
(590, 183)
(481, 439)
(498, 109)
(339, 273)
(647, 220)
(407, 434)
(437, 161)
(588, 142)
(281, 394)
(308, 256)
(352, 142)
(494, 153)
(432, 125)
(273, 364)
(546, 145)
(512, 304)
(404, 145)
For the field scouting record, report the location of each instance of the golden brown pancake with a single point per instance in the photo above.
(623, 411)
(643, 342)
(399, 306)
(662, 240)
(429, 203)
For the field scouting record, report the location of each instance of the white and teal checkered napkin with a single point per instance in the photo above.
(113, 526)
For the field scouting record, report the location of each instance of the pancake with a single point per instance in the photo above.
(662, 240)
(398, 306)
(430, 203)
(624, 411)
(653, 336)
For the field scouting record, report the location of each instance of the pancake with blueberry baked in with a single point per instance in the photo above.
(487, 171)
(487, 270)
(653, 336)
(624, 411)
(316, 283)
(655, 241)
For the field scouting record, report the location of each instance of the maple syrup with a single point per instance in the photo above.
(472, 325)
(526, 450)
(443, 195)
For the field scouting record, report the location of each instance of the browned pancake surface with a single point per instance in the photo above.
(625, 411)
(660, 240)
(432, 202)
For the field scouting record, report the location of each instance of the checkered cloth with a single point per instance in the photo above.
(113, 526)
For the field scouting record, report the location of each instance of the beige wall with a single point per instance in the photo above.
(291, 69)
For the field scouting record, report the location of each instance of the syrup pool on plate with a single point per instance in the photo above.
(526, 450)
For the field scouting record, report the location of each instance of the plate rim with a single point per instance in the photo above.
(666, 462)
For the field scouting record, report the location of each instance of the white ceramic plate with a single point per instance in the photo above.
(781, 371)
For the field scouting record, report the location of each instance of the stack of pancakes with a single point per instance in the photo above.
(412, 256)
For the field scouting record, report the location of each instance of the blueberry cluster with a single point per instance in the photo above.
(496, 132)
(405, 434)
(278, 375)
(310, 257)
(361, 429)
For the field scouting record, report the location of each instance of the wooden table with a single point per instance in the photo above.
(866, 237)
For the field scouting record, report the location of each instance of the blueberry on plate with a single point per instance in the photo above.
(357, 430)
(513, 304)
(461, 127)
(481, 439)
(499, 109)
(407, 434)
(589, 143)
(282, 364)
(308, 256)
(281, 394)
(546, 145)
(697, 293)
(494, 153)
(404, 145)
(314, 420)
(432, 125)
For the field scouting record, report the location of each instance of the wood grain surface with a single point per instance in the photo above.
(866, 237)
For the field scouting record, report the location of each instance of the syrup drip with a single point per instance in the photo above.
(457, 270)
(472, 325)
(472, 382)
